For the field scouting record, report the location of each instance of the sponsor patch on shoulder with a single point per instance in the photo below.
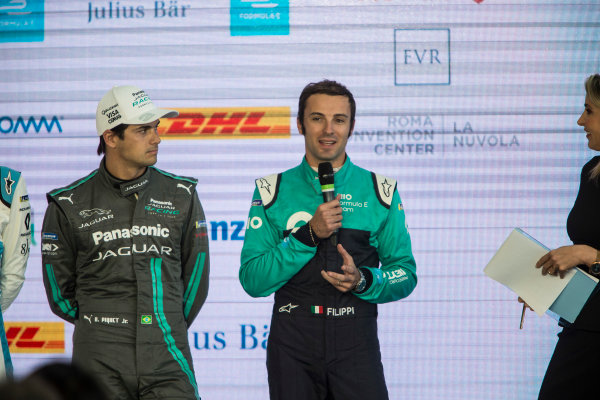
(49, 236)
(25, 198)
(257, 202)
(201, 224)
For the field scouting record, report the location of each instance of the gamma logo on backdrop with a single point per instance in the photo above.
(422, 56)
(35, 337)
(21, 21)
(227, 123)
(25, 125)
(259, 17)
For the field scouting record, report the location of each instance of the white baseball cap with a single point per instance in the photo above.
(127, 105)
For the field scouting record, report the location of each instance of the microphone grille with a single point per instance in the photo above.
(326, 173)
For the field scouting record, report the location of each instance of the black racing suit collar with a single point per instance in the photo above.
(126, 188)
(340, 177)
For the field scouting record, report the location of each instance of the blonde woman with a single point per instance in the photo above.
(573, 369)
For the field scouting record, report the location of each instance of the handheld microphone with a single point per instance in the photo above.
(327, 187)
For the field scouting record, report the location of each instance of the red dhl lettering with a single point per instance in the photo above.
(25, 340)
(40, 337)
(227, 123)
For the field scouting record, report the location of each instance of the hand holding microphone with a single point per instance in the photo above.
(328, 216)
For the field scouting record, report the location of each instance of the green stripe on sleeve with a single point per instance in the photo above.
(62, 303)
(192, 289)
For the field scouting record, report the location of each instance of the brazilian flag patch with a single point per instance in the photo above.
(146, 320)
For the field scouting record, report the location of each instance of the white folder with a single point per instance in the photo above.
(513, 265)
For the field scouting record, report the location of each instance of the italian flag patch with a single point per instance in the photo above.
(317, 309)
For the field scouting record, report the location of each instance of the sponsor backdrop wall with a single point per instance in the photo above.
(470, 104)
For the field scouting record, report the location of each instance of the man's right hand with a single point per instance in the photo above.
(327, 218)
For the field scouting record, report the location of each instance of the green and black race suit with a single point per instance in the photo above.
(127, 263)
(279, 257)
(373, 232)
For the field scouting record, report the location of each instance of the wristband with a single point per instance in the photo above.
(310, 231)
(595, 267)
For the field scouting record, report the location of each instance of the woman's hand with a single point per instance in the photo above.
(559, 261)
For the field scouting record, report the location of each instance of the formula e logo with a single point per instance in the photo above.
(21, 20)
(93, 211)
(23, 125)
(259, 17)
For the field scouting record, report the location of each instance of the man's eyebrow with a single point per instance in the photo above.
(147, 126)
(335, 115)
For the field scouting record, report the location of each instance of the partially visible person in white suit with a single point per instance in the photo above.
(15, 233)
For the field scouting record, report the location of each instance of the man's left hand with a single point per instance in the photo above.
(349, 279)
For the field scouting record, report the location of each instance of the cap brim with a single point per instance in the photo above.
(151, 115)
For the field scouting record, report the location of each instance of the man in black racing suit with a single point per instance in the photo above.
(125, 258)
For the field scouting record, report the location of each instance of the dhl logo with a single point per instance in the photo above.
(227, 123)
(35, 337)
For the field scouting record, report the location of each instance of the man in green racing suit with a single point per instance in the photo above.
(323, 336)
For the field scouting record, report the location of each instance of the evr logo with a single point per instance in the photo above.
(422, 56)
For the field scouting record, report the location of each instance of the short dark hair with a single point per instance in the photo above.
(118, 130)
(331, 88)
